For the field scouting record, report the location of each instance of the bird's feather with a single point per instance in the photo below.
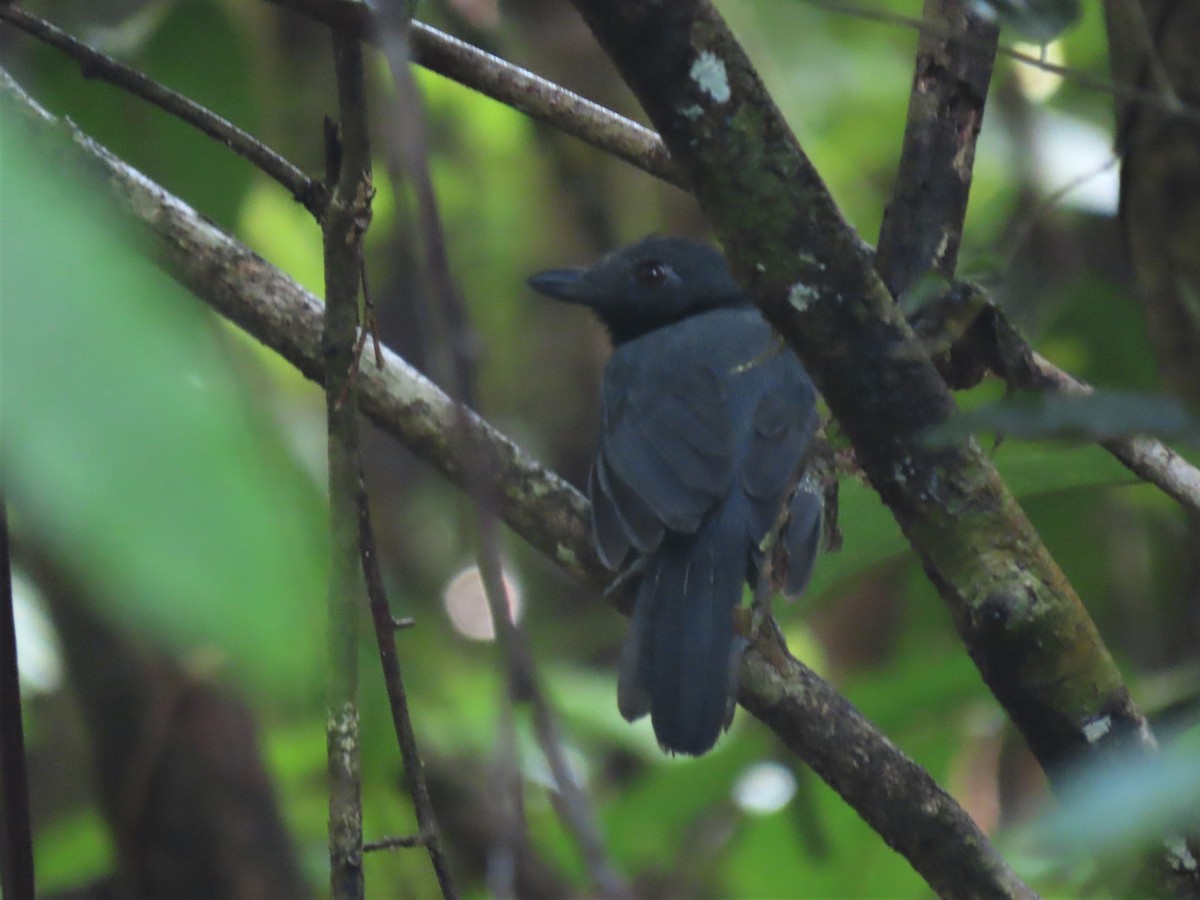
(706, 423)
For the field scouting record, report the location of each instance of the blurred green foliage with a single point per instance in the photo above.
(160, 455)
(131, 439)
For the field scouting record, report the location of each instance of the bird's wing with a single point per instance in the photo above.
(666, 452)
(784, 422)
(783, 425)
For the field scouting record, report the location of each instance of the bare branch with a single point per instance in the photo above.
(922, 225)
(509, 84)
(395, 843)
(348, 164)
(94, 64)
(516, 657)
(414, 770)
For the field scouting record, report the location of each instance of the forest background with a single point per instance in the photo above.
(168, 490)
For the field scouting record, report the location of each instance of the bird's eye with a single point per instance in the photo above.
(652, 274)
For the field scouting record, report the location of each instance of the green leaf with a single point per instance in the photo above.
(1090, 417)
(132, 452)
(1124, 803)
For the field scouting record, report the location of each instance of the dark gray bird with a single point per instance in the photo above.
(707, 420)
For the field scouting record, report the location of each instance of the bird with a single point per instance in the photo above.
(707, 423)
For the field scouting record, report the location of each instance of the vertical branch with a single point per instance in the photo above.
(349, 167)
(922, 226)
(515, 656)
(385, 638)
(353, 542)
(16, 839)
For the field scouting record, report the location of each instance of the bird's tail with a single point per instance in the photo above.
(680, 659)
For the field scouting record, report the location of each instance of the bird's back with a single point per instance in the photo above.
(707, 422)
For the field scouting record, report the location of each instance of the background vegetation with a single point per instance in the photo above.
(170, 488)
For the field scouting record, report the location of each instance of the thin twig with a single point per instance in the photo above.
(396, 843)
(414, 770)
(349, 167)
(509, 84)
(16, 836)
(1148, 458)
(522, 680)
(94, 64)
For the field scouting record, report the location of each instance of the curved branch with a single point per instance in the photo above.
(908, 809)
(94, 64)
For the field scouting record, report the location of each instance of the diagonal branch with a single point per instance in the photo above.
(94, 64)
(891, 792)
(1021, 621)
(518, 669)
(1146, 457)
(509, 84)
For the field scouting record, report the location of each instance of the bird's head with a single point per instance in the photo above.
(646, 285)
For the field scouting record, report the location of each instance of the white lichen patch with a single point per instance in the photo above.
(708, 71)
(1094, 729)
(801, 296)
(1181, 857)
(692, 112)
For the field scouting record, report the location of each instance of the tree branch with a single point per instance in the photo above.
(509, 84)
(94, 64)
(430, 836)
(922, 225)
(910, 812)
(1148, 458)
(348, 165)
(1022, 623)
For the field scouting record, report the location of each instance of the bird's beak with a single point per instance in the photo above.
(562, 284)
